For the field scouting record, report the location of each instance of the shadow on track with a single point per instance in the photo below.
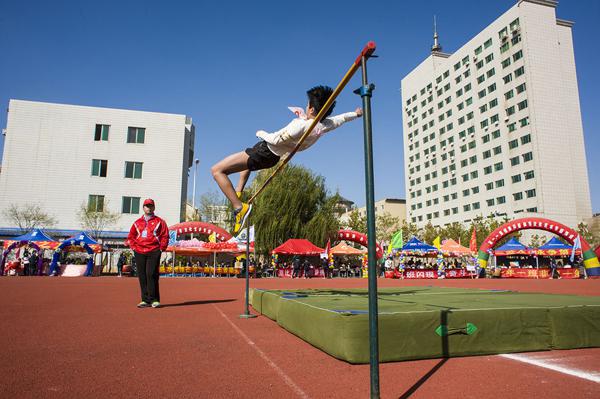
(423, 379)
(191, 303)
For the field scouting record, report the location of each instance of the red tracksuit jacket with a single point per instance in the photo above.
(145, 237)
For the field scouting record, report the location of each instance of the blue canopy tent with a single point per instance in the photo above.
(36, 238)
(416, 246)
(512, 247)
(556, 244)
(81, 239)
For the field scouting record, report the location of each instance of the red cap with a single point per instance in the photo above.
(149, 201)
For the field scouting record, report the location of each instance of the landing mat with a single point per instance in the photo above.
(433, 322)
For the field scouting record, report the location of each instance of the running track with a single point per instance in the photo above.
(84, 338)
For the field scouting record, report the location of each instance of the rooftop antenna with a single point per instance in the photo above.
(436, 45)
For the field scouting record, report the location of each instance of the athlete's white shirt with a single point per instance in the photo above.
(284, 141)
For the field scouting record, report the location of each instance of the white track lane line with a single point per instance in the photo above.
(586, 375)
(289, 382)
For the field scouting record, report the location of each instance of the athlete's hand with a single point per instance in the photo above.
(359, 112)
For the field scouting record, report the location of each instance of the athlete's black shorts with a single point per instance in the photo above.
(260, 157)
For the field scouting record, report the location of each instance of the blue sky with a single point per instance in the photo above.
(234, 67)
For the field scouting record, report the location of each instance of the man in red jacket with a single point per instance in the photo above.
(148, 237)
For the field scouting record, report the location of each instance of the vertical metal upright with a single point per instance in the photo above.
(247, 314)
(366, 91)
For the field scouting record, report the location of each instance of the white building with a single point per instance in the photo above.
(496, 126)
(394, 207)
(62, 156)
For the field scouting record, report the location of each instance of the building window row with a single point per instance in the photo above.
(134, 134)
(133, 170)
(129, 205)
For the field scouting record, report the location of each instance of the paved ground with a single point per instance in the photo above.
(83, 337)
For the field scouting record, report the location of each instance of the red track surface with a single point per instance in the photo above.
(84, 337)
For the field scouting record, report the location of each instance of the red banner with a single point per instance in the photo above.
(427, 274)
(538, 273)
(287, 272)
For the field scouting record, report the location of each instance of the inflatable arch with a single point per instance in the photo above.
(201, 228)
(590, 260)
(19, 244)
(68, 243)
(359, 238)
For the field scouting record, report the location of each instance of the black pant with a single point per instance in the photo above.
(147, 269)
(326, 271)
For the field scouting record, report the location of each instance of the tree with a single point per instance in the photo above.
(385, 226)
(215, 208)
(586, 233)
(96, 221)
(295, 204)
(357, 222)
(536, 241)
(410, 230)
(28, 216)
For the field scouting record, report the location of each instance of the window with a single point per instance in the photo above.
(503, 33)
(499, 183)
(521, 88)
(479, 65)
(475, 190)
(507, 78)
(466, 193)
(496, 134)
(516, 39)
(514, 24)
(514, 161)
(464, 163)
(518, 55)
(504, 47)
(526, 139)
(530, 193)
(459, 93)
(506, 62)
(487, 170)
(467, 88)
(467, 207)
(446, 212)
(532, 210)
(465, 177)
(498, 166)
(501, 200)
(472, 145)
(478, 50)
(516, 178)
(487, 43)
(136, 135)
(494, 118)
(483, 108)
(133, 170)
(96, 203)
(509, 94)
(522, 105)
(489, 186)
(456, 66)
(484, 123)
(101, 133)
(529, 175)
(490, 202)
(132, 205)
(446, 74)
(524, 122)
(527, 157)
(454, 211)
(469, 101)
(512, 127)
(513, 144)
(480, 79)
(510, 110)
(485, 138)
(493, 103)
(460, 106)
(467, 73)
(474, 174)
(99, 167)
(475, 205)
(492, 87)
(497, 150)
(465, 60)
(473, 159)
(518, 196)
(489, 58)
(481, 94)
(519, 71)
(487, 154)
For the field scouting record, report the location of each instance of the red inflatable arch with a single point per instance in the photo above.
(201, 228)
(359, 238)
(589, 257)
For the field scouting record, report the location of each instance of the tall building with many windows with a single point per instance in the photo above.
(495, 127)
(65, 156)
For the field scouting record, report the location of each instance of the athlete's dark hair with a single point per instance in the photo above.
(318, 96)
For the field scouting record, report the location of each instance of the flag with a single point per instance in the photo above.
(252, 233)
(473, 242)
(576, 246)
(436, 242)
(212, 237)
(396, 242)
(325, 255)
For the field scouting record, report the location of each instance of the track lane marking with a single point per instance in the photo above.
(590, 376)
(289, 382)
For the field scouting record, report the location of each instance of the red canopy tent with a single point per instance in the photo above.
(298, 246)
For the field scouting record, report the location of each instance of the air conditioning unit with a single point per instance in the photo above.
(473, 134)
(516, 31)
(474, 58)
(486, 129)
(496, 123)
(504, 38)
(506, 119)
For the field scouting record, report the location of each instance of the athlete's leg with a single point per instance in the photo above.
(244, 175)
(234, 163)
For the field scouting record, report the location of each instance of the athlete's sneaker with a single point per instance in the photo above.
(143, 305)
(238, 194)
(241, 215)
(156, 304)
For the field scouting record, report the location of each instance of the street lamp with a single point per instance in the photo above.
(196, 162)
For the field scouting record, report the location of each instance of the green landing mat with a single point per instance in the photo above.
(427, 322)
